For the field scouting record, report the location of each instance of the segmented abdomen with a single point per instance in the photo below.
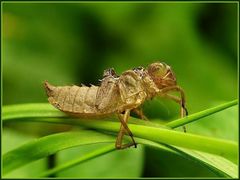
(73, 99)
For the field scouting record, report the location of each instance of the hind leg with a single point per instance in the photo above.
(124, 128)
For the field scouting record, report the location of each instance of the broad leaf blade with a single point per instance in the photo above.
(51, 144)
(216, 163)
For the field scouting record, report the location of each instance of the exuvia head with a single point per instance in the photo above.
(161, 74)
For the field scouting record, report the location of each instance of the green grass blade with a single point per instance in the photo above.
(201, 114)
(51, 144)
(30, 110)
(77, 161)
(35, 110)
(225, 148)
(46, 110)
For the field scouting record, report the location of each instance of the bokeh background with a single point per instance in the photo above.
(72, 43)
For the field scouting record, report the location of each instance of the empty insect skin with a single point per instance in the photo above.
(118, 95)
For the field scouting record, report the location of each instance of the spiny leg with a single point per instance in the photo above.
(123, 128)
(181, 101)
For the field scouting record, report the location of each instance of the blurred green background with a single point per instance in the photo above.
(72, 43)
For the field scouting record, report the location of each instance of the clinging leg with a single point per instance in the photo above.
(181, 101)
(177, 100)
(124, 128)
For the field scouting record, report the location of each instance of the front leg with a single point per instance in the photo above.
(184, 111)
(180, 101)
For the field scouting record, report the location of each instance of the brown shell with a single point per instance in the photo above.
(114, 95)
(73, 99)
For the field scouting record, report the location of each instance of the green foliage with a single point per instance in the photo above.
(49, 145)
(72, 43)
(53, 143)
